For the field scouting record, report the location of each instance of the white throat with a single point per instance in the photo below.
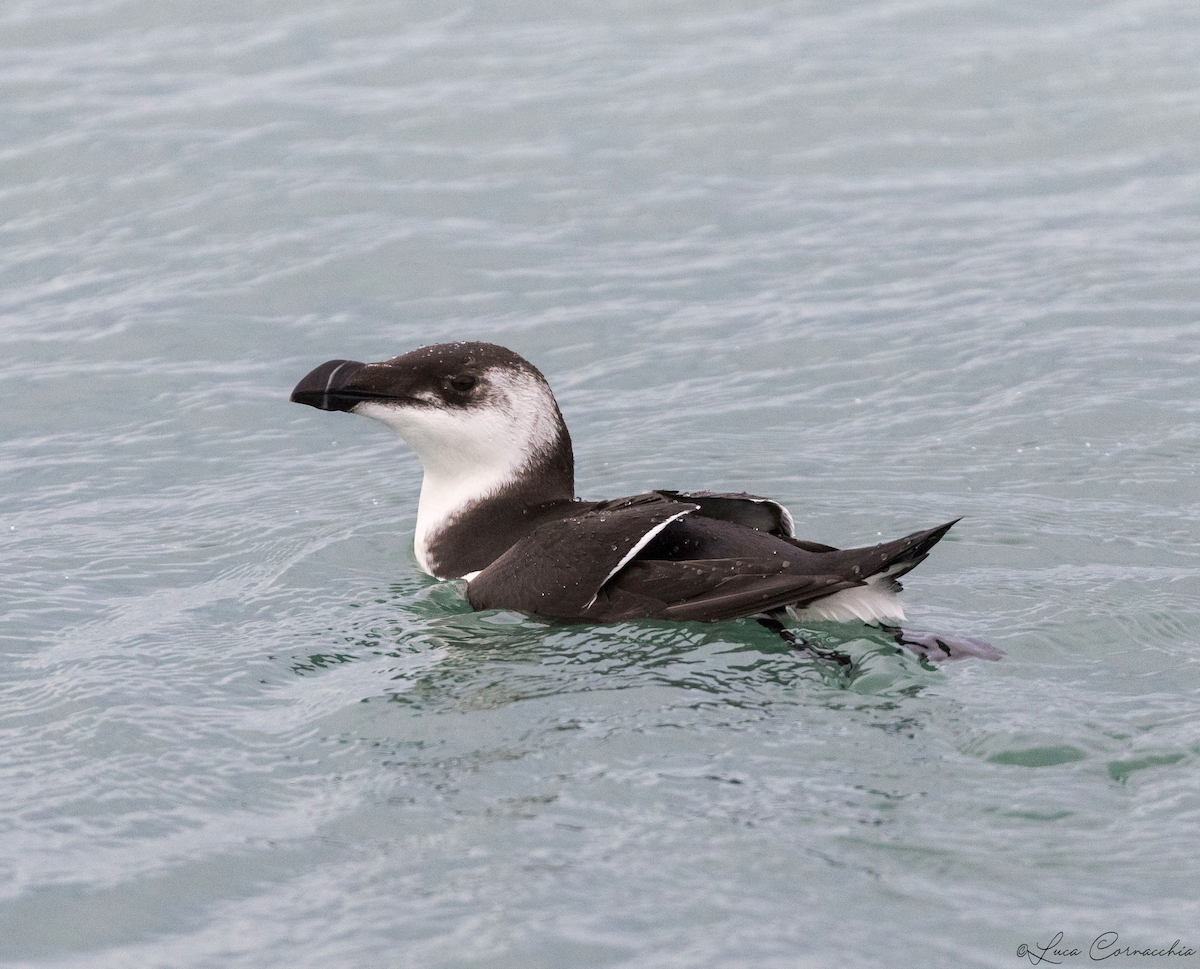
(473, 453)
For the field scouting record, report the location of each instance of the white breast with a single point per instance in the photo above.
(470, 453)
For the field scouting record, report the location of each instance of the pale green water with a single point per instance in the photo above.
(888, 262)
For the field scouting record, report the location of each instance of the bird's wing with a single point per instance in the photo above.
(711, 570)
(710, 590)
(559, 568)
(653, 556)
(753, 511)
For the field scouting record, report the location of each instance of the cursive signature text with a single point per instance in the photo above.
(1104, 946)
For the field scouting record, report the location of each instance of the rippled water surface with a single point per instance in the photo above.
(891, 262)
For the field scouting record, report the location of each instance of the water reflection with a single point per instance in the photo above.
(495, 658)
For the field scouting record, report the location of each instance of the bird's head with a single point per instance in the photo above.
(479, 416)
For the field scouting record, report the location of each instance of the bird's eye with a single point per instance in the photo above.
(463, 382)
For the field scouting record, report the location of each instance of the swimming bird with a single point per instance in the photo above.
(498, 509)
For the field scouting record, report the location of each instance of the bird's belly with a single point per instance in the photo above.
(871, 603)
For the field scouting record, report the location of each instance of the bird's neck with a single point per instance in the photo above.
(465, 521)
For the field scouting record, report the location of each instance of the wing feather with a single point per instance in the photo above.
(657, 556)
(547, 574)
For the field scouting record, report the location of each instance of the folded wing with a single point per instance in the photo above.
(753, 511)
(560, 567)
(680, 556)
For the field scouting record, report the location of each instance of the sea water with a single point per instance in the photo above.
(890, 262)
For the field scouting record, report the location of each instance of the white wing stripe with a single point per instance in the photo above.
(641, 544)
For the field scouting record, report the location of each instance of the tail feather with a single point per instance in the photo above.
(877, 568)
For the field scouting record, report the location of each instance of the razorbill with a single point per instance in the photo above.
(498, 508)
